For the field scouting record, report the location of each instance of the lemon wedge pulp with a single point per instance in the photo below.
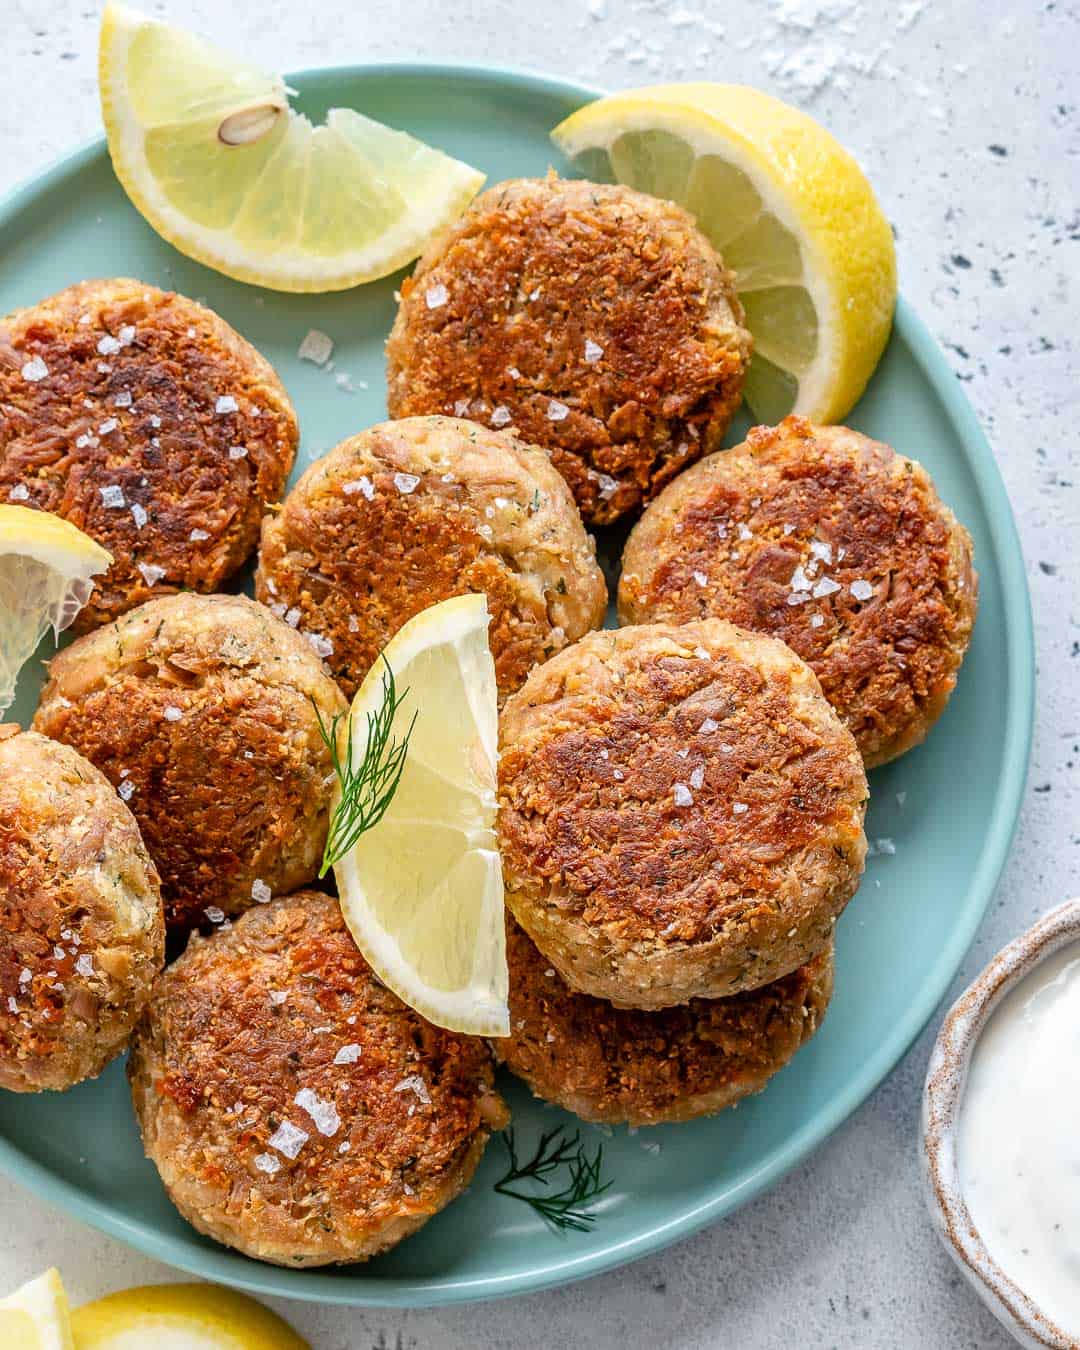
(36, 1316)
(791, 213)
(210, 152)
(181, 1317)
(422, 891)
(46, 570)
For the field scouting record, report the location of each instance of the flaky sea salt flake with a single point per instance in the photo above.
(406, 483)
(436, 296)
(260, 891)
(323, 1113)
(226, 404)
(288, 1139)
(112, 497)
(316, 347)
(34, 370)
(348, 1054)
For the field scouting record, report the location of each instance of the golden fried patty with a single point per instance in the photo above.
(680, 812)
(622, 1065)
(201, 711)
(597, 320)
(832, 542)
(294, 1107)
(81, 935)
(147, 421)
(410, 513)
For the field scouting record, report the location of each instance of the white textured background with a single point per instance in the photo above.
(964, 113)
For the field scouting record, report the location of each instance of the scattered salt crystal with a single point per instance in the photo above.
(288, 1139)
(406, 483)
(292, 617)
(881, 846)
(650, 1146)
(81, 442)
(862, 590)
(901, 798)
(127, 335)
(108, 346)
(513, 372)
(436, 296)
(155, 421)
(701, 578)
(739, 808)
(593, 351)
(535, 295)
(789, 529)
(348, 1054)
(84, 965)
(138, 515)
(58, 953)
(191, 332)
(618, 775)
(126, 790)
(557, 412)
(238, 452)
(745, 532)
(197, 536)
(172, 713)
(112, 497)
(344, 382)
(12, 1005)
(84, 320)
(821, 550)
(501, 416)
(701, 653)
(826, 586)
(363, 485)
(151, 573)
(708, 726)
(34, 370)
(226, 404)
(323, 1113)
(25, 976)
(323, 646)
(123, 399)
(682, 794)
(608, 485)
(461, 407)
(19, 493)
(697, 778)
(260, 891)
(214, 914)
(799, 580)
(816, 620)
(266, 1162)
(316, 347)
(414, 1083)
(103, 368)
(798, 598)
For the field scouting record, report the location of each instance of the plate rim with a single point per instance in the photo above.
(224, 1266)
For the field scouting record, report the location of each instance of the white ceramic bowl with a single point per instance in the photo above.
(942, 1098)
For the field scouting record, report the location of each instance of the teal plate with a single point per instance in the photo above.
(903, 936)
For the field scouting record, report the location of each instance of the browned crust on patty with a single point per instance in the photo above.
(725, 540)
(648, 900)
(535, 270)
(249, 1018)
(625, 1066)
(168, 451)
(81, 933)
(236, 787)
(410, 513)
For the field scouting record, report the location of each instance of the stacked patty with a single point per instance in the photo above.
(598, 321)
(147, 421)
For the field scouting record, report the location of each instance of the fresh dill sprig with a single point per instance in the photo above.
(565, 1208)
(366, 788)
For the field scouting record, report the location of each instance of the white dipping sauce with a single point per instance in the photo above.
(1018, 1143)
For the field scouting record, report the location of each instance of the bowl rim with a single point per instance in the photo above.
(943, 1096)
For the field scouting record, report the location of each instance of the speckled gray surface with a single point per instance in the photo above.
(966, 116)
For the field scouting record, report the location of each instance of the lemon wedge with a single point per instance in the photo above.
(422, 890)
(46, 570)
(36, 1316)
(181, 1317)
(210, 152)
(790, 211)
